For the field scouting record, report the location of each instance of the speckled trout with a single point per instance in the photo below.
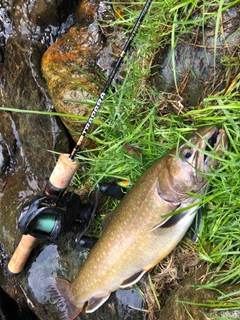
(138, 233)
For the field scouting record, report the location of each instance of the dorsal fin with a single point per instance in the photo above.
(133, 279)
(95, 303)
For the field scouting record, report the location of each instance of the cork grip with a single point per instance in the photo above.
(63, 172)
(21, 254)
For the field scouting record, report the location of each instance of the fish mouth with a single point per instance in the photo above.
(214, 143)
(211, 142)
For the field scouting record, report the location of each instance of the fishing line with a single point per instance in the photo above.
(110, 79)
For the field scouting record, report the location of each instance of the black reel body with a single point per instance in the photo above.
(49, 217)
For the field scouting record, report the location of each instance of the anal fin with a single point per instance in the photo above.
(133, 279)
(95, 303)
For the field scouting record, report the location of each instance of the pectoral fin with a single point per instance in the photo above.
(169, 221)
(133, 279)
(173, 220)
(95, 303)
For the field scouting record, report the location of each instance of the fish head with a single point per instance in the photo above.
(187, 164)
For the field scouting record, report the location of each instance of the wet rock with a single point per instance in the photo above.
(40, 20)
(74, 66)
(8, 307)
(13, 305)
(199, 70)
(18, 184)
(78, 47)
(26, 89)
(63, 260)
(38, 12)
(4, 162)
(21, 185)
(85, 12)
(7, 147)
(5, 26)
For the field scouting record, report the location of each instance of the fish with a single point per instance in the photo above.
(143, 229)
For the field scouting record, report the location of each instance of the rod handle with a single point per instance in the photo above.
(21, 254)
(62, 175)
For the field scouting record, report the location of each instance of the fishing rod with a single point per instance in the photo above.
(110, 78)
(47, 206)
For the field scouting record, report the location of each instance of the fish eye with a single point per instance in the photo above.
(187, 153)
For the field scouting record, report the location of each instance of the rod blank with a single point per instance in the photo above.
(110, 78)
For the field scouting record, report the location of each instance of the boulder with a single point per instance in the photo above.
(26, 90)
(200, 70)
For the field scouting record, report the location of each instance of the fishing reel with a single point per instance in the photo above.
(50, 217)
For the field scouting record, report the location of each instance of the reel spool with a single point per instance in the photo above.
(46, 217)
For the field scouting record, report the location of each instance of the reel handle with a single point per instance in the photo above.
(21, 254)
(57, 184)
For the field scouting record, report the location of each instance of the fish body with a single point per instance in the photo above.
(138, 234)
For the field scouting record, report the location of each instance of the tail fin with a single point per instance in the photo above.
(59, 289)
